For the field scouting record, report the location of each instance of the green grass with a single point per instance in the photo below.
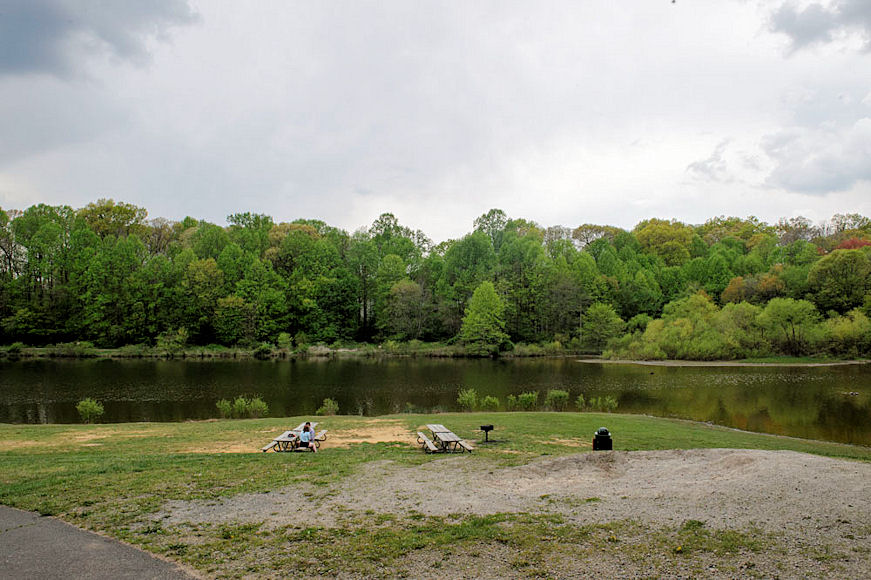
(110, 478)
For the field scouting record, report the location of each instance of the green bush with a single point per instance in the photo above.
(15, 348)
(603, 404)
(225, 408)
(300, 339)
(284, 341)
(134, 350)
(173, 341)
(257, 408)
(242, 408)
(89, 410)
(468, 399)
(528, 401)
(521, 349)
(329, 407)
(511, 403)
(263, 351)
(489, 403)
(81, 349)
(556, 399)
(580, 402)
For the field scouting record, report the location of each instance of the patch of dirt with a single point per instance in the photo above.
(806, 501)
(375, 431)
(379, 432)
(12, 445)
(105, 434)
(569, 443)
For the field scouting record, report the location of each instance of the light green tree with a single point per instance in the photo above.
(841, 280)
(601, 324)
(483, 330)
(790, 322)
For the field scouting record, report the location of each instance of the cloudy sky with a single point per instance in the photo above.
(583, 111)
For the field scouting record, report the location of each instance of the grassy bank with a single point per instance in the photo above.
(266, 351)
(364, 350)
(113, 478)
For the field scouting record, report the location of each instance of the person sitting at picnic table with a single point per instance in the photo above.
(306, 438)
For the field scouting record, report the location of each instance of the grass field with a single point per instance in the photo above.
(111, 478)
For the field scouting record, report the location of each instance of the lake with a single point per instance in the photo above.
(829, 403)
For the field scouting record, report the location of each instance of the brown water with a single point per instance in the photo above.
(828, 403)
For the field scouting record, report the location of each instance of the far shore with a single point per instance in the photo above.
(721, 363)
(82, 350)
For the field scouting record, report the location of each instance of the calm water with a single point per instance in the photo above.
(813, 402)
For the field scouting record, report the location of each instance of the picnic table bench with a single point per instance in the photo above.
(289, 440)
(427, 443)
(444, 440)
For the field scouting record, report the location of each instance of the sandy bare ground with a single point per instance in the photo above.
(816, 510)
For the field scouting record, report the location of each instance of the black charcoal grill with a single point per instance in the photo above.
(486, 429)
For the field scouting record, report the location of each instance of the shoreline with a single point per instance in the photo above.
(724, 363)
(319, 352)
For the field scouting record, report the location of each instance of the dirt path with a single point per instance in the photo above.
(817, 509)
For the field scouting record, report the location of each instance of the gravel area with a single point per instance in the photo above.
(816, 510)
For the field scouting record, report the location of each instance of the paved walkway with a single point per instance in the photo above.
(35, 547)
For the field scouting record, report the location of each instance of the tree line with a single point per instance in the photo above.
(728, 288)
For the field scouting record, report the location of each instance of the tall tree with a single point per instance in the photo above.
(108, 218)
(601, 324)
(841, 280)
(790, 323)
(483, 330)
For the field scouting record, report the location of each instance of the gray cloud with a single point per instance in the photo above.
(434, 111)
(820, 161)
(55, 36)
(714, 168)
(819, 24)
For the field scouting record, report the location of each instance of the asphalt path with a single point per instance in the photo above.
(45, 548)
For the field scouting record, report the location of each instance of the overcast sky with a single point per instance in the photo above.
(584, 111)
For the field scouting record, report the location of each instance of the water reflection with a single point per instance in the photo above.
(829, 403)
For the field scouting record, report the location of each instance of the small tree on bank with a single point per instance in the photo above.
(483, 330)
(89, 410)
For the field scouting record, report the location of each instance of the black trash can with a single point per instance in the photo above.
(602, 440)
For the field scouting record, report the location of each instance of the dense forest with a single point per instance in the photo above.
(728, 288)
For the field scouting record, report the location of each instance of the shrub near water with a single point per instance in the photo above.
(468, 399)
(556, 399)
(90, 410)
(329, 407)
(605, 404)
(489, 403)
(243, 408)
(527, 401)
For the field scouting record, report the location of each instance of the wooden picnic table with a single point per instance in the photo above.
(447, 440)
(289, 440)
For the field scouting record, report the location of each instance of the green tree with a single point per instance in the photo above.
(407, 308)
(492, 224)
(669, 240)
(235, 321)
(841, 280)
(790, 324)
(483, 326)
(601, 324)
(107, 218)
